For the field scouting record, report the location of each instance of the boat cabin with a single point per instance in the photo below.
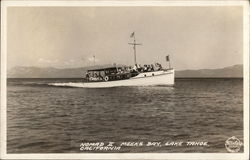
(108, 74)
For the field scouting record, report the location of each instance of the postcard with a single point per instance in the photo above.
(125, 80)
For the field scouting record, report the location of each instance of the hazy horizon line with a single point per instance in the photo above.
(116, 64)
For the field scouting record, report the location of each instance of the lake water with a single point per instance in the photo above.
(50, 119)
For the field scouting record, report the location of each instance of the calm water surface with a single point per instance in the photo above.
(50, 119)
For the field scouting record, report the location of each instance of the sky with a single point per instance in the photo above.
(195, 37)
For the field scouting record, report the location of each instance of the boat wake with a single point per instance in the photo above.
(81, 85)
(68, 84)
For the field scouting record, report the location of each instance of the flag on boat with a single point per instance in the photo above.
(132, 35)
(167, 58)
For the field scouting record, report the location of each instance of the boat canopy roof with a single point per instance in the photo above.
(103, 69)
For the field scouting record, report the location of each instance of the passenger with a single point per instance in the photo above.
(100, 77)
(152, 67)
(148, 68)
(127, 70)
(122, 70)
(91, 76)
(160, 67)
(135, 67)
(95, 75)
(130, 68)
(119, 71)
(156, 66)
(139, 68)
(145, 69)
(87, 76)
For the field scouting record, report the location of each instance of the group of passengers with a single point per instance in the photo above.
(97, 76)
(139, 68)
(94, 76)
(147, 68)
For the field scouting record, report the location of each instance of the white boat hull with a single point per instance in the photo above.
(143, 79)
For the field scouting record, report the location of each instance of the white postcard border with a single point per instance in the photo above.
(228, 156)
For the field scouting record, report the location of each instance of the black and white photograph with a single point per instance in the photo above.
(124, 80)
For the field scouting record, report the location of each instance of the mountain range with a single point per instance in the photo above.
(235, 71)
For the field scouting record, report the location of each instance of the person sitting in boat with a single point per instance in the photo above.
(148, 68)
(130, 69)
(100, 77)
(152, 67)
(95, 75)
(145, 68)
(158, 66)
(87, 76)
(125, 69)
(135, 67)
(121, 70)
(139, 68)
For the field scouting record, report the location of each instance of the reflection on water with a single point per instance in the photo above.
(49, 119)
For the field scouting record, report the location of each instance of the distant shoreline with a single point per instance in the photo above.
(235, 71)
